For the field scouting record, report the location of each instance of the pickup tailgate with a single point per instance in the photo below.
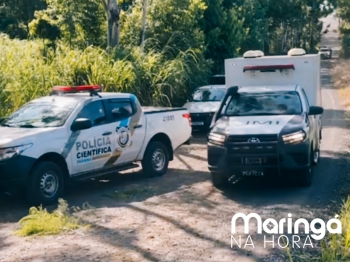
(152, 109)
(174, 122)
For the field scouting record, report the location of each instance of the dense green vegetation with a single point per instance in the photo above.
(51, 42)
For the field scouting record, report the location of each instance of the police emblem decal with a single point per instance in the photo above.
(123, 136)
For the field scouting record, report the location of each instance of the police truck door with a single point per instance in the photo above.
(93, 146)
(128, 130)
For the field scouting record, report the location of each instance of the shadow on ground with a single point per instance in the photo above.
(249, 192)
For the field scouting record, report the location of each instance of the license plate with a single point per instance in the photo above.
(253, 161)
(197, 123)
(252, 173)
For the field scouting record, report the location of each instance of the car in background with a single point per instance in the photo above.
(203, 104)
(325, 52)
(217, 80)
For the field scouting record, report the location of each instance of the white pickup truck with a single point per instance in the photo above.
(78, 133)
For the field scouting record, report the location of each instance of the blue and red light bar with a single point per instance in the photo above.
(268, 67)
(75, 89)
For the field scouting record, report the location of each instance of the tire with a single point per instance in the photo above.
(315, 157)
(219, 180)
(43, 173)
(306, 177)
(156, 159)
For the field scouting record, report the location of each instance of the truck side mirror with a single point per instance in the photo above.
(315, 110)
(81, 124)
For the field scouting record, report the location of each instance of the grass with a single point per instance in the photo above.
(41, 222)
(334, 247)
(337, 247)
(28, 70)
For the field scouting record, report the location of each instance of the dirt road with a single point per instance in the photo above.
(181, 217)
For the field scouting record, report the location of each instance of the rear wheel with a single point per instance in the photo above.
(45, 185)
(219, 180)
(156, 160)
(306, 177)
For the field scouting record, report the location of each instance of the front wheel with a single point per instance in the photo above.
(219, 180)
(45, 185)
(156, 159)
(315, 157)
(306, 176)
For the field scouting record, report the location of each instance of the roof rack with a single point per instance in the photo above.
(92, 89)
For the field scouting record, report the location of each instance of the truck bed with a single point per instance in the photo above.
(153, 110)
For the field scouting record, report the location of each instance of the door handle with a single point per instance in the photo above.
(138, 126)
(107, 133)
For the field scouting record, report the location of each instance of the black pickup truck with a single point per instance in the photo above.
(264, 132)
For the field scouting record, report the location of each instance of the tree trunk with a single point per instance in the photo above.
(144, 18)
(112, 12)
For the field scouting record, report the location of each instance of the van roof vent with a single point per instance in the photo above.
(296, 52)
(259, 53)
(251, 54)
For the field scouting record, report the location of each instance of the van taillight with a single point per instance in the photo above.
(188, 116)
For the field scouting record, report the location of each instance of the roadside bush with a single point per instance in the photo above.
(337, 247)
(28, 69)
(41, 222)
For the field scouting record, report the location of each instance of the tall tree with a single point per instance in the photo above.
(144, 19)
(113, 16)
(15, 16)
(80, 21)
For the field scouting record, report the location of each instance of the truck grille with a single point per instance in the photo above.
(245, 138)
(260, 151)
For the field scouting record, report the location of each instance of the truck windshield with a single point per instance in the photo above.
(208, 94)
(277, 103)
(40, 114)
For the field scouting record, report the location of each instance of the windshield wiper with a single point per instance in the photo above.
(27, 126)
(265, 114)
(262, 114)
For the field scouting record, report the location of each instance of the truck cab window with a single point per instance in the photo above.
(95, 112)
(274, 103)
(119, 109)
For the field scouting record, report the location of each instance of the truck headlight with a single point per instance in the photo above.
(294, 138)
(217, 139)
(10, 152)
